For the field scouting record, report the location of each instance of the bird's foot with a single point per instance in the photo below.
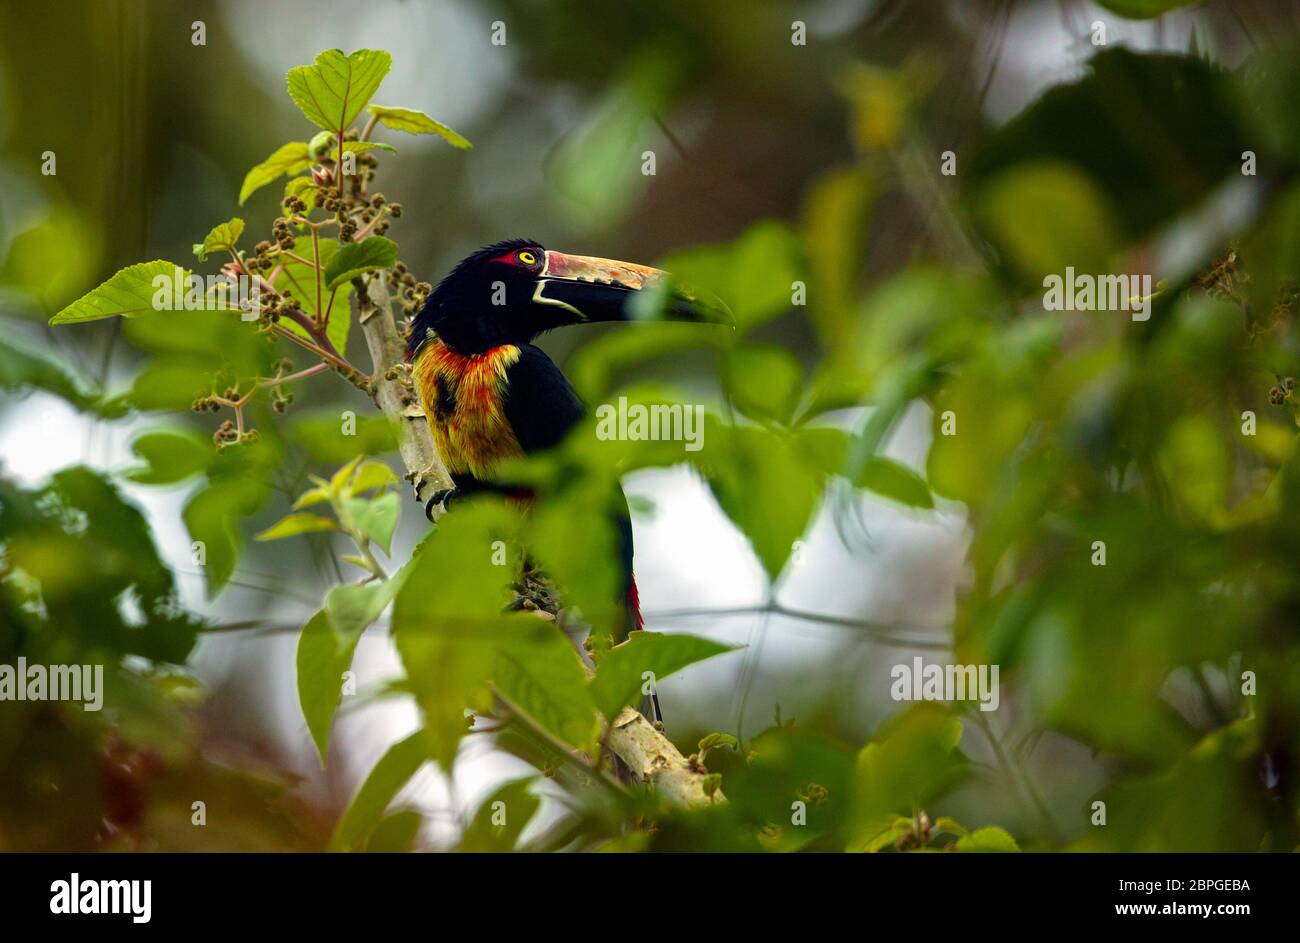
(444, 497)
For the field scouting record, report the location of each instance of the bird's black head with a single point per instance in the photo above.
(511, 292)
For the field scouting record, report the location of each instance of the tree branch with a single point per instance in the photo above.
(642, 747)
(424, 469)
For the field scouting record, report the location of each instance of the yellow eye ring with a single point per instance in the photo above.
(527, 258)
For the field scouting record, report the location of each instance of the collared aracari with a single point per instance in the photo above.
(489, 394)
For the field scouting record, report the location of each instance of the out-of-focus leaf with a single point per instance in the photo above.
(596, 171)
(766, 484)
(1155, 132)
(598, 365)
(416, 122)
(1196, 460)
(835, 220)
(55, 259)
(618, 678)
(290, 158)
(990, 838)
(765, 381)
(393, 771)
(326, 646)
(448, 639)
(1047, 216)
(239, 484)
(355, 258)
(371, 475)
(1271, 254)
(788, 765)
(395, 833)
(501, 818)
(1199, 803)
(332, 437)
(538, 670)
(295, 525)
(983, 415)
(573, 537)
(376, 517)
(1144, 9)
(912, 761)
(755, 275)
(333, 91)
(87, 551)
(171, 456)
(894, 480)
(22, 367)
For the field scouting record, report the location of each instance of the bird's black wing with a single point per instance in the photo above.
(540, 403)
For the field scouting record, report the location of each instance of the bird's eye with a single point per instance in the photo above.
(528, 258)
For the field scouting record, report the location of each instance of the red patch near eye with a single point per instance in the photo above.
(512, 258)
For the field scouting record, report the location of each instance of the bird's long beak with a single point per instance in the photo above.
(592, 289)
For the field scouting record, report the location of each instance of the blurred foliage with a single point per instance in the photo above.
(1131, 487)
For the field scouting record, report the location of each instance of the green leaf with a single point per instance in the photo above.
(416, 122)
(991, 838)
(448, 639)
(764, 381)
(910, 763)
(54, 257)
(540, 672)
(323, 145)
(360, 147)
(881, 833)
(376, 517)
(322, 658)
(211, 517)
(77, 550)
(1104, 125)
(290, 158)
(619, 675)
(22, 367)
(501, 818)
(298, 280)
(594, 172)
(836, 214)
(1144, 9)
(326, 646)
(170, 457)
(393, 771)
(395, 833)
(239, 484)
(223, 236)
(895, 481)
(754, 275)
(371, 475)
(129, 293)
(767, 482)
(1023, 210)
(780, 765)
(305, 188)
(332, 438)
(355, 258)
(294, 525)
(332, 92)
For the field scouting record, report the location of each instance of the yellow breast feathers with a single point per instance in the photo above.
(463, 398)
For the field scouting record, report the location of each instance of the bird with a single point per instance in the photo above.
(490, 394)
